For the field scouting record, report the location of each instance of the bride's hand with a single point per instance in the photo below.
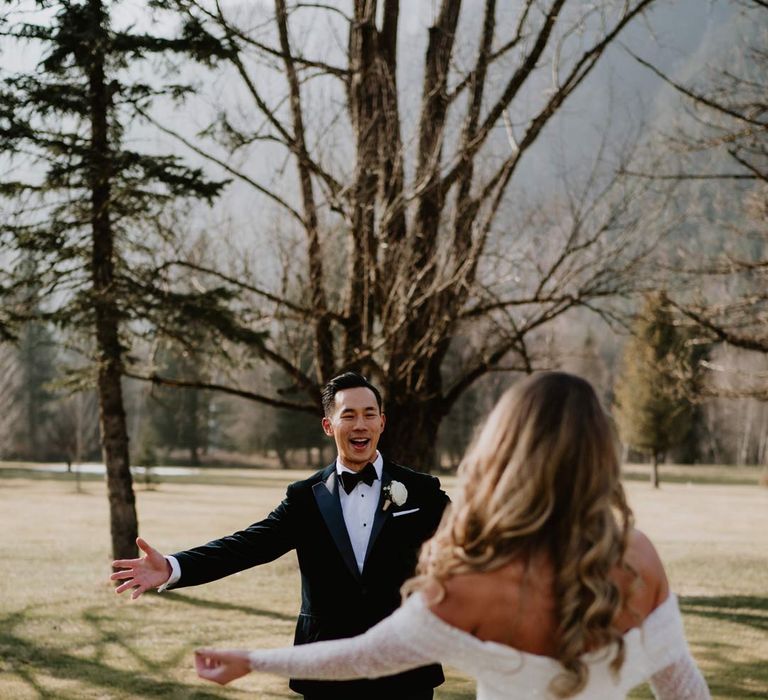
(221, 666)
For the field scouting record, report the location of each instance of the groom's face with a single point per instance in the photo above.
(355, 425)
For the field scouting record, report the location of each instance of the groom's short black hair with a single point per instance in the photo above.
(348, 380)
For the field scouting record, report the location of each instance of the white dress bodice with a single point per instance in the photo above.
(413, 636)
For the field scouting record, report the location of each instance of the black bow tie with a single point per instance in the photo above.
(350, 479)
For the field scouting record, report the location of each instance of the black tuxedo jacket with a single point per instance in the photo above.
(337, 600)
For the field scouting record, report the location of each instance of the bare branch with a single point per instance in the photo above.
(495, 55)
(697, 97)
(323, 338)
(303, 311)
(226, 166)
(159, 380)
(721, 332)
(233, 31)
(758, 174)
(688, 176)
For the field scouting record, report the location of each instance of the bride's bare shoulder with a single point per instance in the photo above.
(647, 571)
(454, 600)
(467, 598)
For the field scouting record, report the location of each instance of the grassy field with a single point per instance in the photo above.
(65, 634)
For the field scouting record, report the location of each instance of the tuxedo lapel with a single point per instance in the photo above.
(381, 515)
(326, 494)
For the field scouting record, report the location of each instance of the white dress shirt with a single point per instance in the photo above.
(358, 509)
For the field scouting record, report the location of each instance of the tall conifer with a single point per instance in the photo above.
(85, 202)
(653, 391)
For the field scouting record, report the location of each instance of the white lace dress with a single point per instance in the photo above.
(413, 636)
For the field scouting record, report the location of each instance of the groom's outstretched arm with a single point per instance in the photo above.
(149, 571)
(257, 544)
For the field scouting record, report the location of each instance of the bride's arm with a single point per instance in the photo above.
(389, 647)
(681, 680)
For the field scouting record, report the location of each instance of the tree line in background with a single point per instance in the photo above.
(406, 245)
(653, 378)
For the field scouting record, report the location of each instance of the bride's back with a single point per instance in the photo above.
(516, 604)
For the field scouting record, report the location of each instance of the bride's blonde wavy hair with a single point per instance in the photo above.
(542, 475)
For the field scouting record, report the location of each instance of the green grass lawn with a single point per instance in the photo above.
(65, 634)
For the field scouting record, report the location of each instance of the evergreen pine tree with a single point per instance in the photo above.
(37, 365)
(89, 205)
(653, 403)
(180, 418)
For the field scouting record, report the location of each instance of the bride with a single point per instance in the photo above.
(536, 583)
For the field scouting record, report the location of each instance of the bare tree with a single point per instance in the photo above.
(73, 429)
(722, 141)
(410, 244)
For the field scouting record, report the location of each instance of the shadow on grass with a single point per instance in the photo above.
(27, 660)
(218, 605)
(741, 609)
(728, 679)
(100, 623)
(727, 676)
(745, 680)
(732, 679)
(454, 694)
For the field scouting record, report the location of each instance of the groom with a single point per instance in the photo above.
(356, 526)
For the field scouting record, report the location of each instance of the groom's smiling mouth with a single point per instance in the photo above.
(360, 443)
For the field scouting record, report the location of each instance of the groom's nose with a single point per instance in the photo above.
(359, 421)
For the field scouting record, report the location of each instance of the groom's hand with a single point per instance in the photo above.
(150, 571)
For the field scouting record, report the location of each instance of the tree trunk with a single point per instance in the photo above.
(410, 434)
(114, 433)
(655, 471)
(124, 526)
(192, 427)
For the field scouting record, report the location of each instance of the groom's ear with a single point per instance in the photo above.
(327, 426)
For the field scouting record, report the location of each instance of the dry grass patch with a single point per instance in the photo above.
(65, 634)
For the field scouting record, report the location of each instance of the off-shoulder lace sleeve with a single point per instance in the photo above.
(390, 647)
(681, 680)
(674, 674)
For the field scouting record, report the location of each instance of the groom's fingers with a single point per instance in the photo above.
(126, 563)
(125, 586)
(145, 547)
(137, 592)
(125, 573)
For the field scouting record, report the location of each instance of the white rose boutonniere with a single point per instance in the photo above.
(396, 493)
